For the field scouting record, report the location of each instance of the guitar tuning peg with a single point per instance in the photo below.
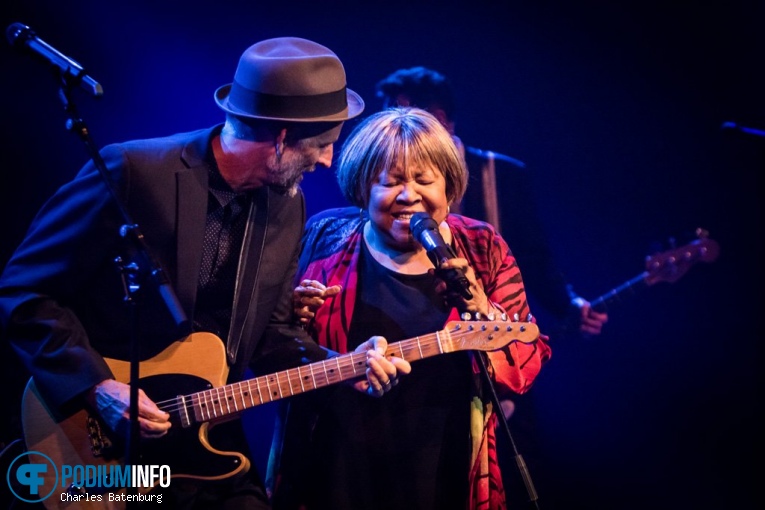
(503, 317)
(491, 316)
(465, 316)
(516, 317)
(529, 318)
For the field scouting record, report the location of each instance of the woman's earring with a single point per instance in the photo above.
(278, 152)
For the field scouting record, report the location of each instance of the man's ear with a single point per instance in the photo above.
(279, 143)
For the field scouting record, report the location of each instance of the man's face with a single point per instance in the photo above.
(302, 156)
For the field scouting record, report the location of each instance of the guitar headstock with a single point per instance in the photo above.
(488, 335)
(671, 265)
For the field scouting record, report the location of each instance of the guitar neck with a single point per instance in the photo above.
(667, 266)
(618, 294)
(233, 398)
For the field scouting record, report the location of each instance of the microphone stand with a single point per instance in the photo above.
(523, 470)
(129, 272)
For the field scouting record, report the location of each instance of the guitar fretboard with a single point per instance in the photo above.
(614, 296)
(667, 266)
(233, 398)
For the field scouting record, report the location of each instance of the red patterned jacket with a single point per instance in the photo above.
(331, 247)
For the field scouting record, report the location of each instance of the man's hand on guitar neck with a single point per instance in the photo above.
(590, 321)
(112, 401)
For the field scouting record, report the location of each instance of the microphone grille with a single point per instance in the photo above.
(421, 221)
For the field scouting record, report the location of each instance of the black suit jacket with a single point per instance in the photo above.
(62, 302)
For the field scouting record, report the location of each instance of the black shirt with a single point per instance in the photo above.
(410, 448)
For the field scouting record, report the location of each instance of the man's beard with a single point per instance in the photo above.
(286, 172)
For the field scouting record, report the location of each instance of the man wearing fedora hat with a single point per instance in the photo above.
(221, 211)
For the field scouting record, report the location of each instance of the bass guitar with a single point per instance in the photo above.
(667, 266)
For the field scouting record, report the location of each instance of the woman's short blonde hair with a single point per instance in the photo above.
(398, 136)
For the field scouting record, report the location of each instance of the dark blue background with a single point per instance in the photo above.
(617, 112)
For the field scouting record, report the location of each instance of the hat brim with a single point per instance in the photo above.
(354, 109)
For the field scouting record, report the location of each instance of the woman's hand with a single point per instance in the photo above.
(479, 303)
(309, 296)
(382, 373)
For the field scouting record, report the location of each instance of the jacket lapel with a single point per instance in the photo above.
(192, 192)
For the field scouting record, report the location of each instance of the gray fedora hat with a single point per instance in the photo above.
(290, 79)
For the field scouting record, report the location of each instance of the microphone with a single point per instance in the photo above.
(743, 129)
(23, 37)
(425, 230)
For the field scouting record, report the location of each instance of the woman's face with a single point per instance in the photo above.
(399, 192)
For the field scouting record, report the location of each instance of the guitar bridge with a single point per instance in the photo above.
(99, 442)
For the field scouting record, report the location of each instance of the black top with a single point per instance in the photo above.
(411, 448)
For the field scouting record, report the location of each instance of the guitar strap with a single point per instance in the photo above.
(248, 271)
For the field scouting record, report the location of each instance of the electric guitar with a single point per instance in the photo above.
(667, 266)
(187, 380)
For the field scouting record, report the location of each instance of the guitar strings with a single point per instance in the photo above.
(344, 361)
(223, 398)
